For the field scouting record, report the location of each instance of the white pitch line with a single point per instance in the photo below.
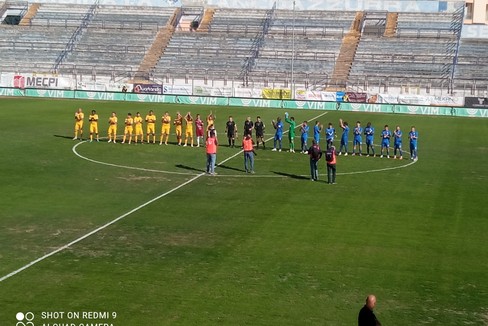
(3, 278)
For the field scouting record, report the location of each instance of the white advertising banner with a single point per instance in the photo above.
(248, 92)
(30, 80)
(177, 89)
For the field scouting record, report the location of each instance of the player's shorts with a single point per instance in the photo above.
(413, 146)
(385, 143)
(128, 130)
(112, 130)
(78, 125)
(94, 128)
(178, 130)
(230, 134)
(357, 141)
(278, 136)
(189, 132)
(369, 141)
(199, 132)
(150, 128)
(259, 134)
(330, 140)
(291, 137)
(398, 145)
(165, 129)
(344, 141)
(138, 130)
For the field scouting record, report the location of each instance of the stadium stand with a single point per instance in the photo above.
(331, 48)
(472, 65)
(116, 40)
(421, 52)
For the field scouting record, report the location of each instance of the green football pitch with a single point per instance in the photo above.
(97, 233)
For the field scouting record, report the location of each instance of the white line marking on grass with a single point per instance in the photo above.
(64, 247)
(3, 278)
(123, 166)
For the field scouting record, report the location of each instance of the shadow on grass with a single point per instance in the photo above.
(61, 136)
(186, 167)
(231, 168)
(293, 176)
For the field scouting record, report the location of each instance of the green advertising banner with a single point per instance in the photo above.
(249, 102)
(150, 98)
(366, 107)
(222, 101)
(309, 105)
(423, 110)
(470, 113)
(54, 93)
(100, 96)
(11, 92)
(255, 102)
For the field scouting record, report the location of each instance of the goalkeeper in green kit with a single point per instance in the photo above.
(291, 132)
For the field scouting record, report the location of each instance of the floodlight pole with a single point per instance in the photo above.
(293, 55)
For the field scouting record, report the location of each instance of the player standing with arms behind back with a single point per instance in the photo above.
(413, 135)
(93, 118)
(304, 137)
(259, 127)
(79, 116)
(344, 137)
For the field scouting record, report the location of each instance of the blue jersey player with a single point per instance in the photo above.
(329, 135)
(317, 129)
(397, 145)
(369, 133)
(304, 137)
(278, 125)
(385, 141)
(358, 139)
(413, 135)
(344, 137)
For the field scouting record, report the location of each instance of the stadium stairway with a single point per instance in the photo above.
(157, 49)
(206, 20)
(391, 24)
(31, 13)
(346, 55)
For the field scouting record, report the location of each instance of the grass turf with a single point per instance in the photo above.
(268, 249)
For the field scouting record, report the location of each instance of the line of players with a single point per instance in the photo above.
(134, 127)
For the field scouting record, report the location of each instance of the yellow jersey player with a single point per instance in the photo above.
(138, 128)
(189, 129)
(79, 116)
(151, 126)
(165, 129)
(128, 122)
(210, 122)
(112, 128)
(93, 118)
(178, 122)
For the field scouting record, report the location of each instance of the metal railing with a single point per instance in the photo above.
(77, 34)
